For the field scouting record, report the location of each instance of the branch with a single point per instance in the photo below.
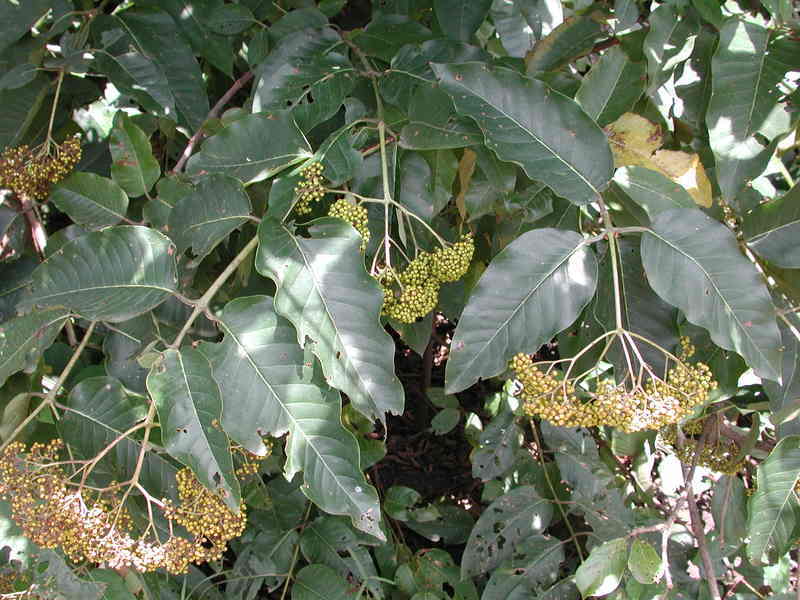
(696, 519)
(201, 305)
(213, 114)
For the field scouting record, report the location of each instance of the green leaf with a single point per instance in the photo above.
(644, 562)
(521, 23)
(268, 387)
(573, 38)
(62, 578)
(694, 263)
(314, 582)
(433, 123)
(155, 35)
(15, 276)
(772, 230)
(535, 562)
(445, 420)
(122, 348)
(749, 64)
(189, 410)
(729, 510)
(306, 74)
(109, 275)
(459, 19)
(601, 572)
(90, 200)
(520, 303)
(16, 18)
(239, 149)
(202, 219)
(773, 507)
(141, 78)
(332, 542)
(327, 294)
(386, 34)
(192, 19)
(230, 19)
(497, 447)
(135, 168)
(651, 190)
(509, 520)
(668, 43)
(23, 339)
(20, 107)
(612, 86)
(527, 123)
(784, 395)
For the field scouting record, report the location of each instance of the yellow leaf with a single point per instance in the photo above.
(635, 141)
(686, 170)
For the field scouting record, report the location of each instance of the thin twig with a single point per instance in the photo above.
(51, 395)
(213, 114)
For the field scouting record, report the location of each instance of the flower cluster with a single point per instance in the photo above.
(354, 214)
(414, 292)
(309, 189)
(634, 401)
(30, 173)
(95, 526)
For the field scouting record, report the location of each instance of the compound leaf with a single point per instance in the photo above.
(109, 275)
(534, 288)
(189, 411)
(269, 386)
(693, 262)
(527, 123)
(327, 294)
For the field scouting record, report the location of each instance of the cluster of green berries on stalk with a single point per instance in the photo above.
(30, 172)
(309, 189)
(355, 214)
(631, 402)
(721, 455)
(412, 293)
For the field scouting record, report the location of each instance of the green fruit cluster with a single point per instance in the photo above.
(30, 173)
(650, 404)
(310, 188)
(354, 214)
(720, 455)
(414, 292)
